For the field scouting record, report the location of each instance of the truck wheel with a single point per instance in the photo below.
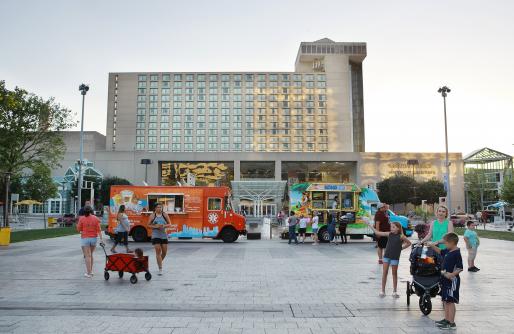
(229, 235)
(323, 235)
(139, 234)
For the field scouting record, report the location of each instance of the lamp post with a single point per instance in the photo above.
(444, 92)
(7, 180)
(146, 162)
(83, 88)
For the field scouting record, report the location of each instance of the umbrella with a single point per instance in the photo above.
(28, 202)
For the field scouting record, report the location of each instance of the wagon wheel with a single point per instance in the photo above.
(120, 274)
(106, 275)
(408, 293)
(148, 276)
(133, 279)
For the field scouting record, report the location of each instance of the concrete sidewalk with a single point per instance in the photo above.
(261, 286)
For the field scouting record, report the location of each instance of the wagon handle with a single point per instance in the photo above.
(103, 247)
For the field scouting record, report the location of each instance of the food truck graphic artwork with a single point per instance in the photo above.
(343, 199)
(195, 212)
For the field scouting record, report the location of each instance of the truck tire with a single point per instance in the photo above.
(229, 235)
(323, 235)
(139, 234)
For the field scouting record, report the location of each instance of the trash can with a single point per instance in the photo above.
(5, 236)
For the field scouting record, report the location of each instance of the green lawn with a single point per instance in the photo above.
(28, 235)
(509, 236)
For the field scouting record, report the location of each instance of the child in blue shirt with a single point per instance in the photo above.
(450, 280)
(472, 243)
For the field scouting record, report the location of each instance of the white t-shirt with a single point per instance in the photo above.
(303, 222)
(315, 221)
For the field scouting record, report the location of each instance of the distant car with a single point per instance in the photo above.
(460, 219)
(404, 221)
(67, 220)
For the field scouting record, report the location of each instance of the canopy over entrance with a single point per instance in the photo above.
(262, 196)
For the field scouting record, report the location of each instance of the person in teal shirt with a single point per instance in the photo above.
(472, 243)
(439, 228)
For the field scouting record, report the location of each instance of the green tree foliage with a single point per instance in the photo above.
(105, 188)
(507, 191)
(397, 189)
(29, 130)
(430, 191)
(40, 186)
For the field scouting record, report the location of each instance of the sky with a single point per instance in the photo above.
(414, 47)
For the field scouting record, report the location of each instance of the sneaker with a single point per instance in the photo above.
(395, 295)
(476, 269)
(448, 326)
(381, 294)
(441, 322)
(88, 275)
(160, 272)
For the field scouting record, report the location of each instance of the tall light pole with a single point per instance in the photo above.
(83, 88)
(444, 92)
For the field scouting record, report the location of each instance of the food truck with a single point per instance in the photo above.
(357, 205)
(195, 212)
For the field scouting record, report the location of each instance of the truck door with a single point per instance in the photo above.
(214, 216)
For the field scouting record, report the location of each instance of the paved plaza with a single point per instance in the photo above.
(257, 286)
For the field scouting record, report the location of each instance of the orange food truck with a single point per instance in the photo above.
(195, 212)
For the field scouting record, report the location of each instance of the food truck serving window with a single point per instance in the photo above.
(214, 204)
(170, 202)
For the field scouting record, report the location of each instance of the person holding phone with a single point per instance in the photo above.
(159, 221)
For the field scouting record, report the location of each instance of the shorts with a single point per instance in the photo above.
(450, 292)
(391, 261)
(302, 230)
(85, 242)
(314, 230)
(159, 241)
(472, 254)
(382, 242)
(122, 238)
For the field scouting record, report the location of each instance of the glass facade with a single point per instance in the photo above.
(206, 173)
(325, 172)
(268, 112)
(257, 170)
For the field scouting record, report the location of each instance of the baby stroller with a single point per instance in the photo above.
(425, 269)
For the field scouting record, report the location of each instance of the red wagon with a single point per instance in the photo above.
(126, 263)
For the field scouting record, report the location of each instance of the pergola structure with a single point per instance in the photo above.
(259, 193)
(485, 170)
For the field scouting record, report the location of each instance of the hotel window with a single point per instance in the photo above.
(225, 139)
(140, 139)
(154, 77)
(188, 139)
(213, 77)
(225, 118)
(237, 77)
(188, 125)
(152, 139)
(141, 84)
(164, 132)
(164, 146)
(225, 125)
(249, 84)
(175, 147)
(177, 77)
(261, 147)
(176, 125)
(213, 118)
(141, 98)
(190, 77)
(200, 139)
(213, 125)
(141, 90)
(200, 84)
(152, 125)
(177, 84)
(154, 84)
(140, 118)
(165, 111)
(200, 132)
(200, 125)
(200, 77)
(152, 147)
(140, 125)
(165, 77)
(213, 132)
(165, 118)
(225, 77)
(176, 118)
(213, 84)
(225, 147)
(213, 147)
(142, 77)
(249, 147)
(140, 146)
(175, 139)
(165, 84)
(322, 84)
(164, 139)
(152, 132)
(176, 132)
(200, 147)
(153, 118)
(140, 132)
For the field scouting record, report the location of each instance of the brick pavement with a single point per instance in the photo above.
(259, 286)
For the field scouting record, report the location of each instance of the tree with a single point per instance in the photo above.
(397, 189)
(431, 190)
(105, 188)
(30, 130)
(507, 191)
(40, 186)
(475, 182)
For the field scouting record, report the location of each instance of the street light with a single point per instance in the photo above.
(444, 92)
(83, 88)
